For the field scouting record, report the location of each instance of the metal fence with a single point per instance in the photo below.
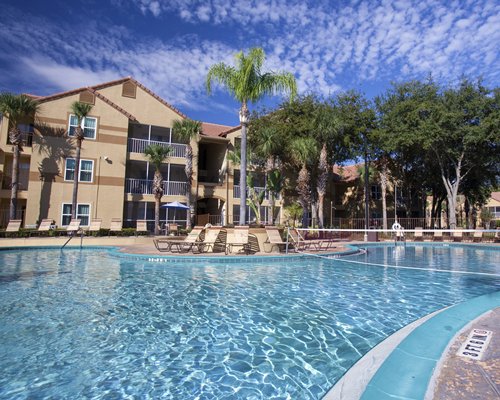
(145, 186)
(139, 145)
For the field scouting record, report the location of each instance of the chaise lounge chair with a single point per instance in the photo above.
(73, 227)
(418, 236)
(13, 226)
(240, 237)
(300, 243)
(457, 236)
(194, 238)
(214, 241)
(95, 226)
(45, 225)
(477, 237)
(116, 225)
(438, 236)
(274, 239)
(141, 226)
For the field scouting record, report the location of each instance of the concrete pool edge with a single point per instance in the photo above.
(352, 384)
(406, 370)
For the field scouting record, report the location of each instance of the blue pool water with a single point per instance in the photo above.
(88, 324)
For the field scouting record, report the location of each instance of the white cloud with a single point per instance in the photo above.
(320, 42)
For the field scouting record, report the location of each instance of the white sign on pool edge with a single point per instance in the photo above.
(476, 344)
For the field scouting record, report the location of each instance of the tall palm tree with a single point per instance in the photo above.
(188, 129)
(157, 154)
(17, 108)
(323, 173)
(247, 83)
(303, 152)
(80, 110)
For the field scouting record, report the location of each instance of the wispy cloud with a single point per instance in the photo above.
(326, 45)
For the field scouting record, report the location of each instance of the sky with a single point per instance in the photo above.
(49, 46)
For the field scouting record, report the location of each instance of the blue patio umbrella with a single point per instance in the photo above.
(175, 205)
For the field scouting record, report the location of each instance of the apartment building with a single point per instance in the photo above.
(115, 177)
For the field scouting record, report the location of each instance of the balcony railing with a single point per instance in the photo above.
(26, 137)
(139, 145)
(145, 186)
(258, 189)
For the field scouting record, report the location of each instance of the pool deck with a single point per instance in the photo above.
(419, 362)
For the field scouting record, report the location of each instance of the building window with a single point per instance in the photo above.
(376, 192)
(89, 126)
(82, 213)
(86, 170)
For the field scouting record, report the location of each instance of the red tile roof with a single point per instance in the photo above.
(209, 129)
(495, 196)
(347, 173)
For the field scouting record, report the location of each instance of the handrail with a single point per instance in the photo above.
(72, 235)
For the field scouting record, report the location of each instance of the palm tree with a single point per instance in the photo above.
(303, 151)
(324, 172)
(187, 130)
(157, 154)
(80, 110)
(246, 83)
(17, 109)
(274, 185)
(268, 144)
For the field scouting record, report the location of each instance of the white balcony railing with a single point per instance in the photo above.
(139, 145)
(145, 186)
(258, 189)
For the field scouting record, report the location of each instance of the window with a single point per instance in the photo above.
(82, 212)
(86, 170)
(89, 126)
(376, 192)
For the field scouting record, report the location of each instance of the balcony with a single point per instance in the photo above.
(26, 138)
(258, 189)
(139, 145)
(145, 186)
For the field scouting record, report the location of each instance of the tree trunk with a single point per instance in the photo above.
(76, 176)
(189, 175)
(15, 178)
(452, 186)
(304, 193)
(322, 184)
(158, 193)
(243, 163)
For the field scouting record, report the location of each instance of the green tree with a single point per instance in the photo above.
(247, 83)
(157, 154)
(304, 151)
(274, 185)
(18, 108)
(295, 211)
(188, 130)
(80, 110)
(255, 198)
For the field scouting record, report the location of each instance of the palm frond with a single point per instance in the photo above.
(157, 154)
(187, 129)
(81, 110)
(17, 107)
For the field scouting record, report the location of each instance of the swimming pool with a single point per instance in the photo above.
(90, 324)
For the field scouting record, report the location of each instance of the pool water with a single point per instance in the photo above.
(88, 324)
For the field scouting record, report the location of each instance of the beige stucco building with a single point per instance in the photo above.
(115, 177)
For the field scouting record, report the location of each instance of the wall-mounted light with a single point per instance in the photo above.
(106, 158)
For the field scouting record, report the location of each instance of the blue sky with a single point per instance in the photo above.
(55, 45)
